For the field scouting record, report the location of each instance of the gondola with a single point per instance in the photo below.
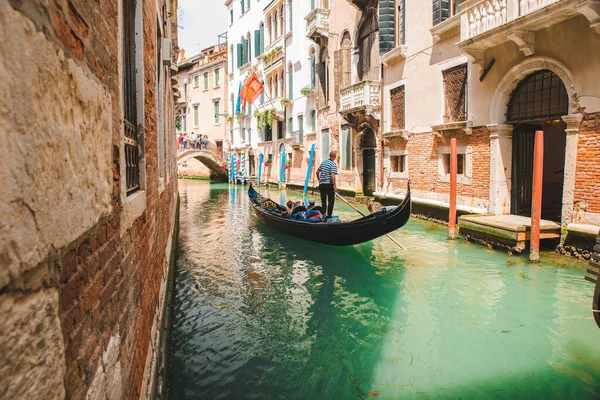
(381, 222)
(594, 277)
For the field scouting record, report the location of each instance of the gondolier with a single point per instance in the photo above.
(326, 174)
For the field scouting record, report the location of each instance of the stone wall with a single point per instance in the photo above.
(82, 276)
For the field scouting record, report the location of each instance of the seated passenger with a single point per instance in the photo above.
(290, 207)
(311, 203)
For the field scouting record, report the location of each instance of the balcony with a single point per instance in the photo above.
(317, 22)
(297, 139)
(362, 97)
(489, 23)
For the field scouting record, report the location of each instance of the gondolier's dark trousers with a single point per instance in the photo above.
(327, 197)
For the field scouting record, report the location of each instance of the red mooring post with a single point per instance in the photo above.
(536, 203)
(453, 172)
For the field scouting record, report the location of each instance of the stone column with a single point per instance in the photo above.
(572, 131)
(500, 168)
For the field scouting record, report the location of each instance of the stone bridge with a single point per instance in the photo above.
(208, 158)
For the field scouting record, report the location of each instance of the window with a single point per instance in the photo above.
(184, 94)
(444, 9)
(232, 110)
(397, 101)
(249, 133)
(460, 165)
(290, 127)
(231, 57)
(268, 133)
(313, 69)
(368, 53)
(300, 129)
(290, 19)
(455, 94)
(243, 6)
(346, 147)
(324, 144)
(280, 130)
(217, 78)
(313, 120)
(397, 163)
(217, 111)
(196, 80)
(247, 4)
(130, 138)
(196, 116)
(184, 119)
(230, 17)
(244, 135)
(206, 80)
(249, 47)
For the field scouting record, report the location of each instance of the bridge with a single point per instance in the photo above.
(208, 157)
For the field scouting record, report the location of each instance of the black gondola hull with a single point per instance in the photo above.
(340, 234)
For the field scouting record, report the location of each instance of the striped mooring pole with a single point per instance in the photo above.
(243, 167)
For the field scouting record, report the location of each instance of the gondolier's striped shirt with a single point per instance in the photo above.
(327, 168)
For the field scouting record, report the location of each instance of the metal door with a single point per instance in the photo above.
(522, 176)
(368, 171)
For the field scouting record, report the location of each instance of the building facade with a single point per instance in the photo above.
(89, 198)
(491, 73)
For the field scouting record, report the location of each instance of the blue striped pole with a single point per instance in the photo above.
(308, 170)
(233, 167)
(229, 167)
(281, 168)
(243, 167)
(260, 165)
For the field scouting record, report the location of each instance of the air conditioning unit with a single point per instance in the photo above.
(166, 51)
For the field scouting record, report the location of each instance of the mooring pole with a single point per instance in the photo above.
(453, 175)
(536, 203)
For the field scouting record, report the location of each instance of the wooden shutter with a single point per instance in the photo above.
(256, 43)
(387, 26)
(337, 74)
(441, 11)
(240, 52)
(313, 80)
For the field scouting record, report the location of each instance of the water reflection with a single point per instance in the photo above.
(260, 314)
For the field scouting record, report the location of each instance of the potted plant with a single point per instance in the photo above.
(305, 91)
(228, 118)
(267, 164)
(284, 101)
(288, 164)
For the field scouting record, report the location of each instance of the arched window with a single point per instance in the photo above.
(540, 96)
(368, 49)
(249, 46)
(281, 21)
(290, 81)
(346, 62)
(282, 83)
(259, 44)
(323, 74)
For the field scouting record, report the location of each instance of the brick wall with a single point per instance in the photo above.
(423, 167)
(587, 179)
(104, 285)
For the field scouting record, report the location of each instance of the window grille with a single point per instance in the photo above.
(455, 94)
(539, 97)
(131, 146)
(398, 104)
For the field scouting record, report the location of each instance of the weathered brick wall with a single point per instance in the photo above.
(423, 167)
(587, 179)
(85, 308)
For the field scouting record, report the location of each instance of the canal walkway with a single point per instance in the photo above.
(260, 314)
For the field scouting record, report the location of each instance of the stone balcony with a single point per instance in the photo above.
(317, 22)
(489, 23)
(361, 98)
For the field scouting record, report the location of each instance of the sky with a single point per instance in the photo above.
(200, 22)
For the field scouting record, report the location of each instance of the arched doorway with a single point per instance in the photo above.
(538, 103)
(251, 163)
(368, 144)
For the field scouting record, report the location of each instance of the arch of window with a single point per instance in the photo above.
(541, 96)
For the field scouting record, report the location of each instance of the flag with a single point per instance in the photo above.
(251, 90)
(239, 100)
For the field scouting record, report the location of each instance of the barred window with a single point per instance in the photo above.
(455, 94)
(131, 145)
(397, 96)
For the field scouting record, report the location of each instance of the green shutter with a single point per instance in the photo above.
(313, 72)
(291, 83)
(245, 54)
(239, 54)
(387, 26)
(441, 11)
(256, 43)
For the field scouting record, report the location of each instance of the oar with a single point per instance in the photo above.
(361, 213)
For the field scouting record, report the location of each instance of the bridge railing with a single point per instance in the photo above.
(209, 146)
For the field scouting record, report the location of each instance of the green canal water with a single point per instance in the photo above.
(262, 315)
